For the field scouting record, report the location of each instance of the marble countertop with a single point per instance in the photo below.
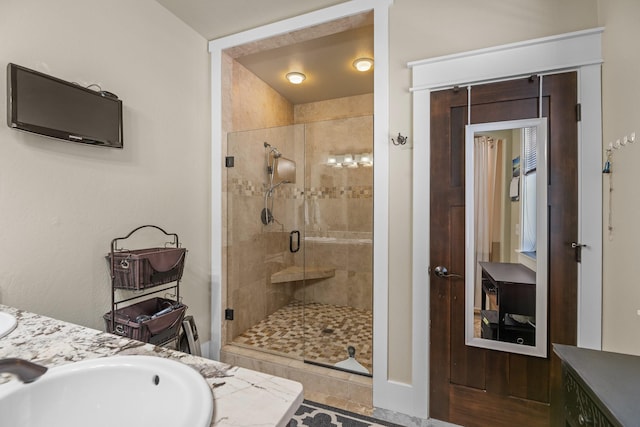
(241, 397)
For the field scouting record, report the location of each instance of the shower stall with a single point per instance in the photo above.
(299, 221)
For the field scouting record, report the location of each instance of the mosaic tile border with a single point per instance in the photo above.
(246, 188)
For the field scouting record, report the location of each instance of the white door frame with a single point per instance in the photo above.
(579, 51)
(383, 389)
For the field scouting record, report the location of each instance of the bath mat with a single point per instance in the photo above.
(312, 414)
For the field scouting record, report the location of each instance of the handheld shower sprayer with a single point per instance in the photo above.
(273, 150)
(272, 156)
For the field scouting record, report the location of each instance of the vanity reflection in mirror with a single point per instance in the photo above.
(506, 233)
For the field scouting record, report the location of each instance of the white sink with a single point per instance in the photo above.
(7, 323)
(136, 391)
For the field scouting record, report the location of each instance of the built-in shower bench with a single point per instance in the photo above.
(296, 273)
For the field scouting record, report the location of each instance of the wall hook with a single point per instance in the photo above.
(401, 140)
(607, 163)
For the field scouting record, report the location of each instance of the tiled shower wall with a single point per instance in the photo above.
(338, 215)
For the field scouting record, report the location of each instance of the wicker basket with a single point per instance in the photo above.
(145, 268)
(155, 331)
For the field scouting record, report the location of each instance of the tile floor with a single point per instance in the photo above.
(314, 332)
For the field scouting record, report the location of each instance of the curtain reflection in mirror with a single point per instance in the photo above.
(488, 167)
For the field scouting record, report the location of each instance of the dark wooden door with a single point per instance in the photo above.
(472, 386)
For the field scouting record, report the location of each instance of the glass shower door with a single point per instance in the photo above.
(265, 239)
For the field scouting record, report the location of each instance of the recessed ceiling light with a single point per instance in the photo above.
(363, 64)
(295, 77)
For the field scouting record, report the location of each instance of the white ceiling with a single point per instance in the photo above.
(326, 60)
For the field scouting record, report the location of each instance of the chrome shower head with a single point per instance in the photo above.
(273, 150)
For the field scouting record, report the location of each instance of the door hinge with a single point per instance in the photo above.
(228, 161)
(578, 112)
(228, 314)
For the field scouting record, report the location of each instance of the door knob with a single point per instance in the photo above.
(441, 271)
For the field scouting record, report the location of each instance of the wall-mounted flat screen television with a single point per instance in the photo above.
(49, 106)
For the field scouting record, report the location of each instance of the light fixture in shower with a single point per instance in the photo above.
(364, 159)
(295, 77)
(350, 160)
(363, 64)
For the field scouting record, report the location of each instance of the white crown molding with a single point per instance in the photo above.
(564, 51)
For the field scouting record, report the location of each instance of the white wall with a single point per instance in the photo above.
(621, 116)
(62, 203)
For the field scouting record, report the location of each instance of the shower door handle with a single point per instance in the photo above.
(297, 245)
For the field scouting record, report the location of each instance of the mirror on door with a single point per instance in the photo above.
(506, 233)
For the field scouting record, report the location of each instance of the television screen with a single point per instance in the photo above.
(52, 107)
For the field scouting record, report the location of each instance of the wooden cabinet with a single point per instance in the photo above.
(512, 288)
(579, 408)
(599, 388)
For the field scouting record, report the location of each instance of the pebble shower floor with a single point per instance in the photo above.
(314, 332)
